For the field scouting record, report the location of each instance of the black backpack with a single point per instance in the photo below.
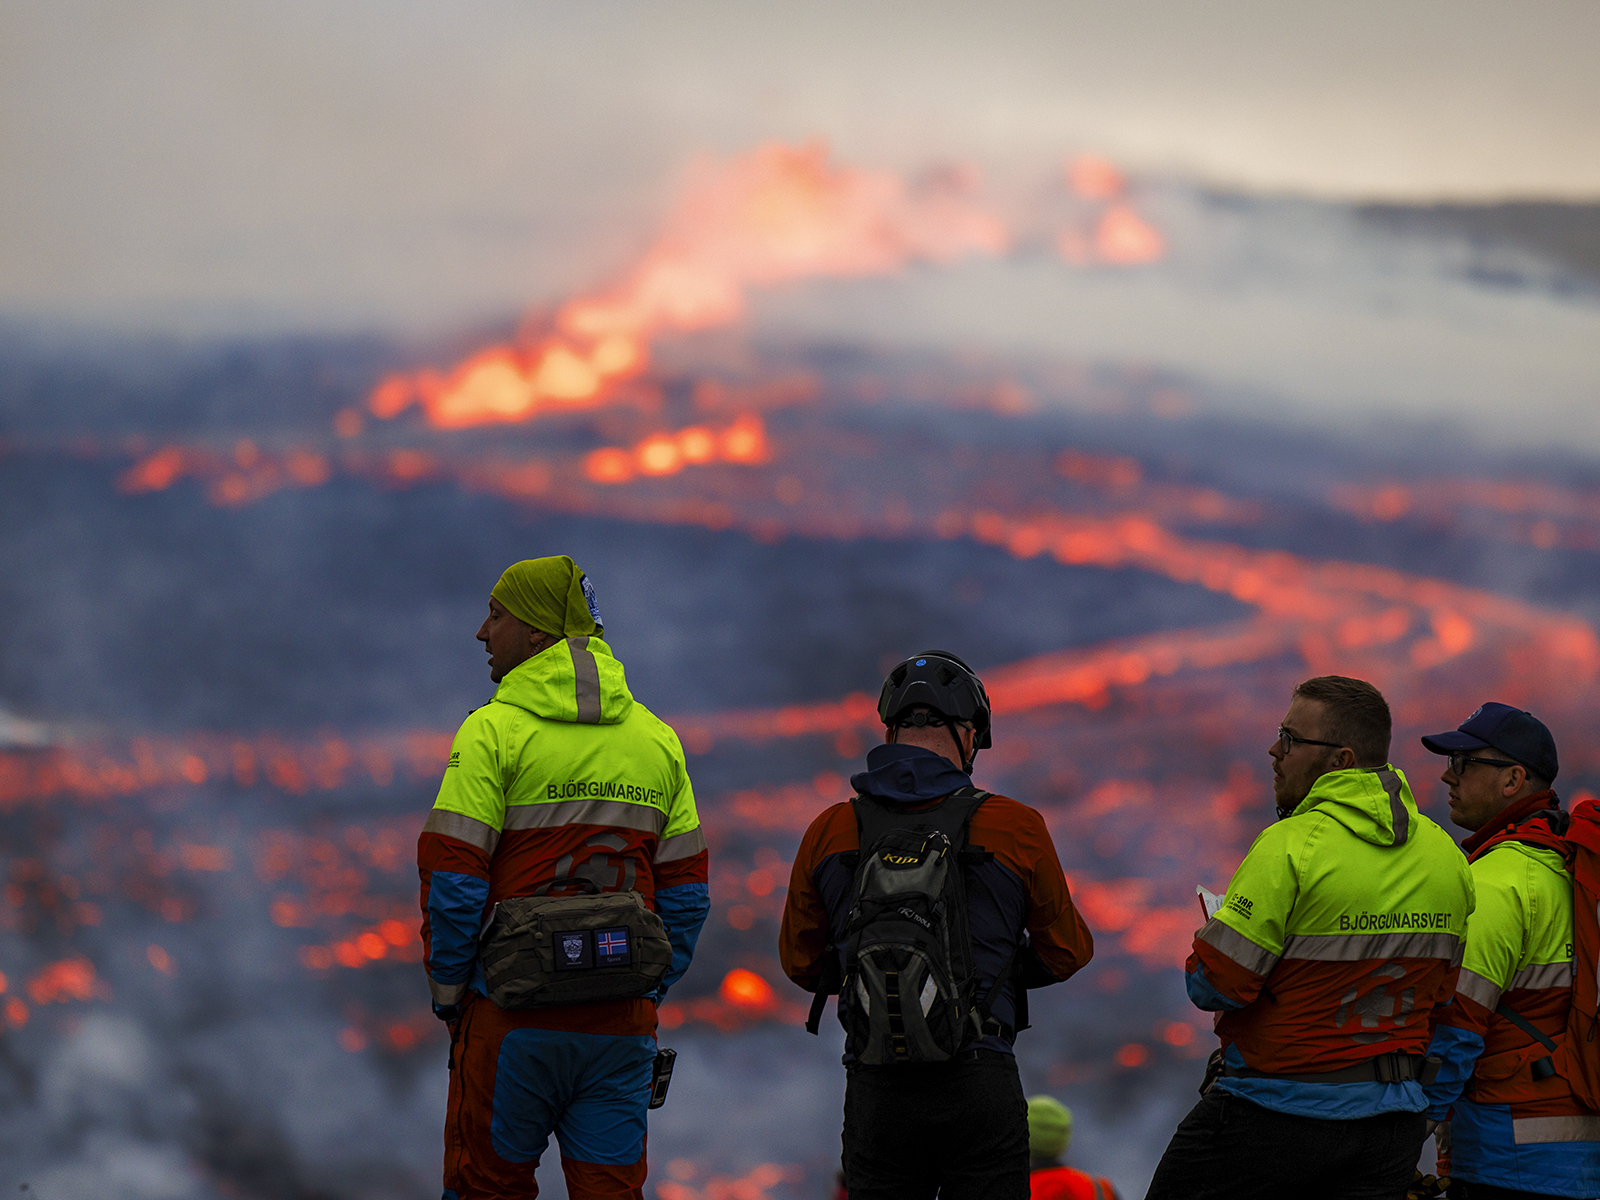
(907, 989)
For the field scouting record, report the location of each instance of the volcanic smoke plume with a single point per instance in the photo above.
(239, 592)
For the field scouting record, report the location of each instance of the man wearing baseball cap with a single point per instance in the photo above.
(1514, 1128)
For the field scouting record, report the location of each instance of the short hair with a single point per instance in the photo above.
(1358, 715)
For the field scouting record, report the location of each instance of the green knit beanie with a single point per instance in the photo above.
(1049, 1127)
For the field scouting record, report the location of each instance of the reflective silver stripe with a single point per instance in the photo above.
(1397, 806)
(464, 829)
(1555, 1129)
(1476, 987)
(1543, 975)
(586, 673)
(618, 813)
(1236, 946)
(1353, 947)
(445, 994)
(681, 845)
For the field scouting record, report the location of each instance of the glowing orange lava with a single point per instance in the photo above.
(69, 979)
(1359, 618)
(1119, 236)
(345, 897)
(747, 990)
(1125, 239)
(776, 214)
(755, 1184)
(743, 442)
(1545, 515)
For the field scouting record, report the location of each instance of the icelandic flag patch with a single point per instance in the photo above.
(611, 948)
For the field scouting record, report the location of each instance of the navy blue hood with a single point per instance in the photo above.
(908, 775)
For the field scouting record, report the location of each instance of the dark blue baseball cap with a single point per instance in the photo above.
(1519, 735)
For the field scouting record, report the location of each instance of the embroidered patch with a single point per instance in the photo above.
(574, 950)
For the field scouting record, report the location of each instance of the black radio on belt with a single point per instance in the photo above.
(661, 1077)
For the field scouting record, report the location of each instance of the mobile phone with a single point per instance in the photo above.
(661, 1077)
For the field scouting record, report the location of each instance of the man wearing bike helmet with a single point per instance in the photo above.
(930, 907)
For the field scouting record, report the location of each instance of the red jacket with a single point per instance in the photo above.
(1065, 1183)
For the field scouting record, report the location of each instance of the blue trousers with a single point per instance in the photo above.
(513, 1084)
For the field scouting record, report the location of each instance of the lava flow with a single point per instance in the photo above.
(777, 531)
(778, 213)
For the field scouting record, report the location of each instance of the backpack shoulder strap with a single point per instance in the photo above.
(1527, 1027)
(972, 856)
(832, 977)
(874, 818)
(1542, 1068)
(950, 816)
(819, 998)
(962, 805)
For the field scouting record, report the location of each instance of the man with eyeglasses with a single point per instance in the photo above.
(1340, 933)
(1514, 1128)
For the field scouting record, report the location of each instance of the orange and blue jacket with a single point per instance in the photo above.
(1508, 1129)
(561, 776)
(1022, 888)
(1340, 934)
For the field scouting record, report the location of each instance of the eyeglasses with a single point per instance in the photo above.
(1458, 762)
(1287, 740)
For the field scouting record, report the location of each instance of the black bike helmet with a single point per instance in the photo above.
(938, 680)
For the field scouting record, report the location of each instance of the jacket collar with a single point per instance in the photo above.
(576, 680)
(908, 775)
(1508, 816)
(1374, 803)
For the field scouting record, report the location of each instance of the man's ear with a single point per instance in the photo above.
(1519, 776)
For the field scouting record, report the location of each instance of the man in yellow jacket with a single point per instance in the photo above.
(1515, 1129)
(1339, 935)
(562, 779)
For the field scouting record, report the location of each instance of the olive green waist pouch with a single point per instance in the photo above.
(538, 951)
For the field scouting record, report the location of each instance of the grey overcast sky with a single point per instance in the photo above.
(320, 163)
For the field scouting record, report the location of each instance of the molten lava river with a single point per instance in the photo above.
(238, 638)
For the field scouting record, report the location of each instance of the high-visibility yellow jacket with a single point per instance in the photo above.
(562, 775)
(1508, 1129)
(1340, 932)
